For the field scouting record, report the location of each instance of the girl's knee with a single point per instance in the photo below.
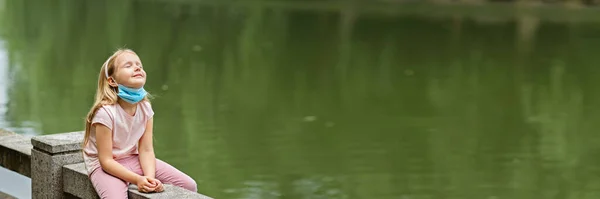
(185, 182)
(190, 184)
(113, 194)
(111, 190)
(108, 186)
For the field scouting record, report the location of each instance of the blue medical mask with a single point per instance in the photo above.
(131, 95)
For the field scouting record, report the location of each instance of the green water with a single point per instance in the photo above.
(277, 102)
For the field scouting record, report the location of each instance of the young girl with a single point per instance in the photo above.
(118, 133)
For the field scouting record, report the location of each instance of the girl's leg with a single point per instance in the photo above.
(108, 186)
(168, 174)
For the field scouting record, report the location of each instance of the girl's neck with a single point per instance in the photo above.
(129, 108)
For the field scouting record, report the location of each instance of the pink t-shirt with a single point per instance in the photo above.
(126, 132)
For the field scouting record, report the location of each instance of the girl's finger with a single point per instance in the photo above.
(151, 188)
(149, 184)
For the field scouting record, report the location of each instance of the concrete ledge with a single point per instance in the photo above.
(171, 191)
(59, 143)
(55, 165)
(77, 183)
(15, 152)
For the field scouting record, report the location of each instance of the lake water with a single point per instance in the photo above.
(281, 102)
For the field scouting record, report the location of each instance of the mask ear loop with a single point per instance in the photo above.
(106, 67)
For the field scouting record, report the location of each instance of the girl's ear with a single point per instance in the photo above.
(112, 82)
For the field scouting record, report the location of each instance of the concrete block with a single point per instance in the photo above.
(76, 181)
(15, 152)
(48, 156)
(58, 143)
(46, 172)
(171, 191)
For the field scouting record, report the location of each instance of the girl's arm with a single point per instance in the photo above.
(104, 145)
(146, 150)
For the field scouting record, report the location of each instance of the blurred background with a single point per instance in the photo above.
(386, 99)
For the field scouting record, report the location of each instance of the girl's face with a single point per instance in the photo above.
(129, 71)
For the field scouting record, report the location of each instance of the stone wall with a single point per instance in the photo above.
(55, 165)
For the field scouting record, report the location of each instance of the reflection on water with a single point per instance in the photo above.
(14, 184)
(257, 102)
(6, 77)
(4, 84)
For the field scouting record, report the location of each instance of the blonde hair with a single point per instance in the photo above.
(105, 94)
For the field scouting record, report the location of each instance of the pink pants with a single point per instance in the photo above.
(109, 186)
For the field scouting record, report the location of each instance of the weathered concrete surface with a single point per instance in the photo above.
(76, 182)
(57, 143)
(48, 156)
(171, 191)
(15, 152)
(46, 172)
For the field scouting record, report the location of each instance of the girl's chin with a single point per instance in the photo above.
(134, 85)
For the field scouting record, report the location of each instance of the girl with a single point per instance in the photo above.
(117, 147)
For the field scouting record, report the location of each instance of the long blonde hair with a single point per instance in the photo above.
(105, 94)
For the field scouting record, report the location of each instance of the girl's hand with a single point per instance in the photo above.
(145, 184)
(159, 185)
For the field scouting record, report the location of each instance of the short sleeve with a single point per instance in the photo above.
(103, 117)
(148, 109)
